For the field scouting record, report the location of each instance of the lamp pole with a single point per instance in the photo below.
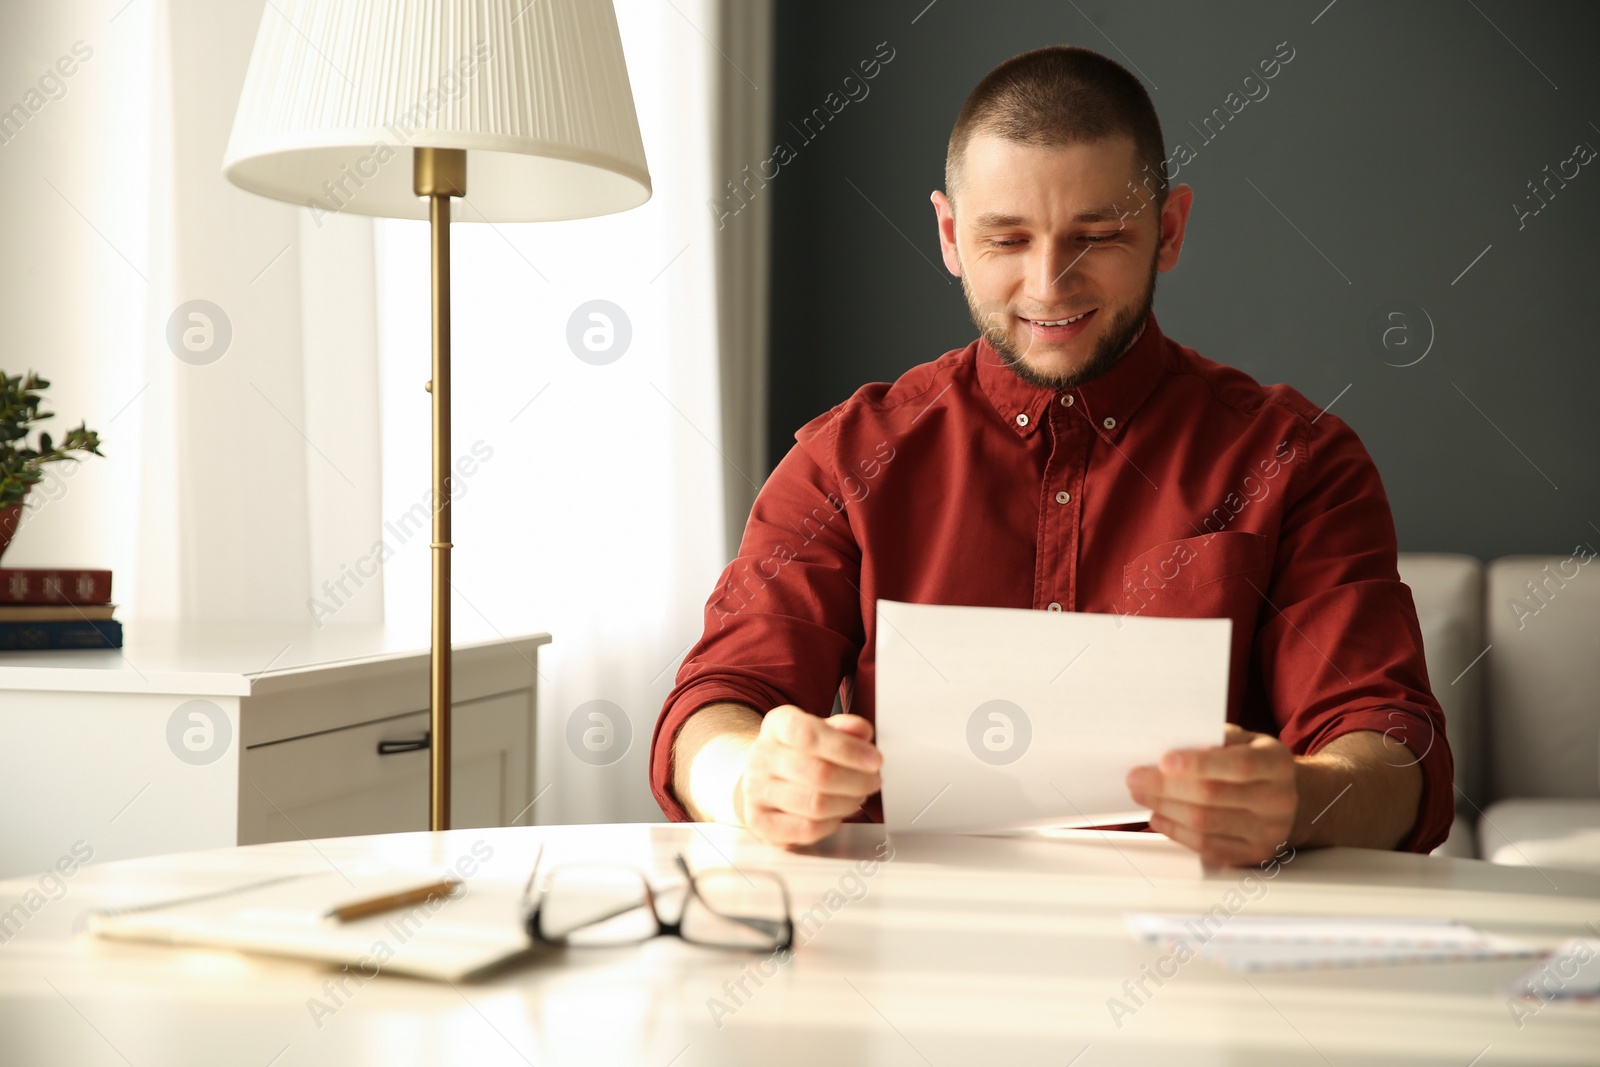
(439, 174)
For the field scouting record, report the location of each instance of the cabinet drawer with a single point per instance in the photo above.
(337, 783)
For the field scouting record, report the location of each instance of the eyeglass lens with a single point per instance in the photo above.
(606, 905)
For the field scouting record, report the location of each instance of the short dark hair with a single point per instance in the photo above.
(1055, 96)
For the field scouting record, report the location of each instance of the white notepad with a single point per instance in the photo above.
(1278, 943)
(1570, 971)
(994, 719)
(446, 939)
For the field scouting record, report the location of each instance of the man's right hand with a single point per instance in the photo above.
(804, 775)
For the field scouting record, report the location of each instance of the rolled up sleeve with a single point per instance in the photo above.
(783, 625)
(1339, 648)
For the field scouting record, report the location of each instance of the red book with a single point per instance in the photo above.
(37, 585)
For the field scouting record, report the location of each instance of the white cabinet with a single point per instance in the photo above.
(204, 735)
(364, 779)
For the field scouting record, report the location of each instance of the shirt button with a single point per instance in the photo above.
(1066, 400)
(1063, 497)
(1022, 418)
(1109, 423)
(1053, 606)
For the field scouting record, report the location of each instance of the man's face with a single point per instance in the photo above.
(1041, 235)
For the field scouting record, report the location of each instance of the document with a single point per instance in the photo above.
(996, 719)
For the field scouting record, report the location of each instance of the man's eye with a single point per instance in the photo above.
(1099, 238)
(1005, 244)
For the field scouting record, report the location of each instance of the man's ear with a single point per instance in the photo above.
(1174, 220)
(945, 212)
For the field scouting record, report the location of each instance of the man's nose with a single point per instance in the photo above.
(1055, 267)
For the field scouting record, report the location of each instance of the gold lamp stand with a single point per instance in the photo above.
(439, 174)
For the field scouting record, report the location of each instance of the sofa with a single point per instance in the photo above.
(1513, 654)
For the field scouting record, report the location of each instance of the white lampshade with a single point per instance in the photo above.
(535, 91)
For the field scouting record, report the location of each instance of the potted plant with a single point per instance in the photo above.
(22, 466)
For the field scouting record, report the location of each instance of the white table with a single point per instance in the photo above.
(198, 735)
(958, 951)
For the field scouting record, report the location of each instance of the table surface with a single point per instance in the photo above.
(954, 950)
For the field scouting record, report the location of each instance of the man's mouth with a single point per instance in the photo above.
(1059, 329)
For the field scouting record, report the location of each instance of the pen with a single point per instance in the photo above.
(377, 905)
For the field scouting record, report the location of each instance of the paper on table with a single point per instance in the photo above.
(1303, 930)
(1005, 718)
(1571, 971)
(1291, 942)
(1268, 956)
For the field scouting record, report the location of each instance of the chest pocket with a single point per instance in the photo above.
(1212, 576)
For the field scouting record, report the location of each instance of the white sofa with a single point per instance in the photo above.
(1513, 653)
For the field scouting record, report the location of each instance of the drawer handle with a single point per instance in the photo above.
(389, 748)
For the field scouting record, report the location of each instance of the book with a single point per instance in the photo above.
(92, 633)
(37, 585)
(446, 939)
(54, 612)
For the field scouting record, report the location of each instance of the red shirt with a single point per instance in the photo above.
(1170, 485)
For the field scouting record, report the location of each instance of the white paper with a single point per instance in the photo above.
(1570, 971)
(1007, 719)
(1266, 956)
(1292, 942)
(1303, 930)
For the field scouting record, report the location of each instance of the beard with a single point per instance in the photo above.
(993, 321)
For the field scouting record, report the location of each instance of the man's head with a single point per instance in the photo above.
(1056, 206)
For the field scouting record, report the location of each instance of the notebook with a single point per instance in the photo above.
(445, 939)
(1277, 943)
(1571, 971)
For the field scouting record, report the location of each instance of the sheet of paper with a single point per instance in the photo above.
(1007, 719)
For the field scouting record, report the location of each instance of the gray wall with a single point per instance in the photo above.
(1396, 140)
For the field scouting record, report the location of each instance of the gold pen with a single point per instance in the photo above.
(378, 905)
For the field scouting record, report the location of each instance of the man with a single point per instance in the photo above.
(1072, 458)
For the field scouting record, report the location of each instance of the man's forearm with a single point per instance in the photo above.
(708, 756)
(1361, 789)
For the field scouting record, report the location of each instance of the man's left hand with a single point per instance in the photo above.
(1234, 805)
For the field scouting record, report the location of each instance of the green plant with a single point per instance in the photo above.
(21, 465)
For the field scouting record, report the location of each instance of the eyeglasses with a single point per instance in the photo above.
(588, 904)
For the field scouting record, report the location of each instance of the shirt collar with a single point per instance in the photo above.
(1109, 402)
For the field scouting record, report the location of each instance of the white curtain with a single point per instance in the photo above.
(597, 506)
(234, 476)
(79, 273)
(741, 143)
(595, 509)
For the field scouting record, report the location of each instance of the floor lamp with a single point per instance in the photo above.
(393, 109)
